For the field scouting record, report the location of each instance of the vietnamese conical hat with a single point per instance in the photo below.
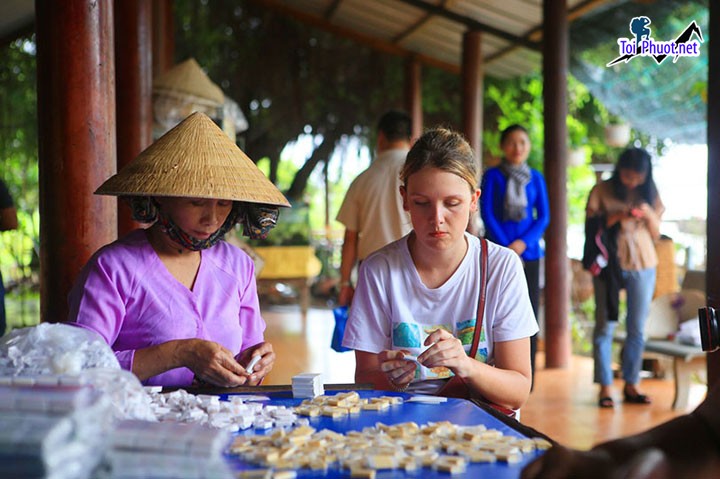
(187, 79)
(195, 159)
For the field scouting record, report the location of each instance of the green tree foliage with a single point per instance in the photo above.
(292, 79)
(519, 101)
(666, 100)
(289, 78)
(19, 157)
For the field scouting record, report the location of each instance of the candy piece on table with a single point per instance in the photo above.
(425, 399)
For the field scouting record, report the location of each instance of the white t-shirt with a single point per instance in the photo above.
(393, 309)
(373, 205)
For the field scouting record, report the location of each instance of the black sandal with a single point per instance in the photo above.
(636, 398)
(606, 402)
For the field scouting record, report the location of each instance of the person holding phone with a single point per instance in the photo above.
(630, 204)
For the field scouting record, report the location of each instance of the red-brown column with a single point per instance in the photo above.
(133, 66)
(76, 136)
(163, 36)
(472, 85)
(413, 95)
(557, 290)
(712, 277)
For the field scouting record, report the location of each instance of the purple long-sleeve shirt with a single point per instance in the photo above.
(126, 294)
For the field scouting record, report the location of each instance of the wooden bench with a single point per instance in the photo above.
(687, 360)
(295, 265)
(666, 312)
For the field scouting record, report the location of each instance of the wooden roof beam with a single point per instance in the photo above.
(417, 25)
(330, 12)
(536, 33)
(473, 24)
(381, 45)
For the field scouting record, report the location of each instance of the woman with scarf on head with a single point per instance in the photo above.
(176, 303)
(514, 208)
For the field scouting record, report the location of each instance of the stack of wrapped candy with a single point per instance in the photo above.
(52, 430)
(143, 449)
(307, 385)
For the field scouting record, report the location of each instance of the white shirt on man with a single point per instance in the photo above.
(373, 205)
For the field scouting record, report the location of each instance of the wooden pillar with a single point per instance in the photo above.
(163, 36)
(472, 87)
(712, 273)
(413, 95)
(326, 178)
(557, 290)
(133, 61)
(76, 141)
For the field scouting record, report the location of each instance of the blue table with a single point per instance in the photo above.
(457, 411)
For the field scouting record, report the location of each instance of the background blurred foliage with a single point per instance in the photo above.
(18, 157)
(293, 80)
(664, 101)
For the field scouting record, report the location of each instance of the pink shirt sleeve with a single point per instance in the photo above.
(97, 300)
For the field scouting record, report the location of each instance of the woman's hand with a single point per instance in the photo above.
(264, 365)
(518, 246)
(398, 371)
(346, 295)
(446, 350)
(211, 362)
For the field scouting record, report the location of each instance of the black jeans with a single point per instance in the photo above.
(532, 276)
(3, 319)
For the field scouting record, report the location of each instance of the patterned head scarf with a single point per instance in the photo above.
(257, 221)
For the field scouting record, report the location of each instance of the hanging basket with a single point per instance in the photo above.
(576, 156)
(170, 109)
(617, 135)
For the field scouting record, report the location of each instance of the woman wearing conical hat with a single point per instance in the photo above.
(175, 302)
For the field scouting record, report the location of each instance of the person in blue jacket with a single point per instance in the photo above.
(514, 207)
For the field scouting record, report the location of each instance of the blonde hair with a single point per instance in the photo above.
(445, 150)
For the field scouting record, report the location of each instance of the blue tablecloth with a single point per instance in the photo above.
(457, 411)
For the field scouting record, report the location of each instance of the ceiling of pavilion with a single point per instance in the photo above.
(662, 100)
(668, 99)
(433, 29)
(16, 16)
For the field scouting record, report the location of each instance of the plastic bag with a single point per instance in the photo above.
(128, 399)
(50, 349)
(689, 333)
(341, 316)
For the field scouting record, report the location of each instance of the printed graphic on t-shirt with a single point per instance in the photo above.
(466, 332)
(411, 336)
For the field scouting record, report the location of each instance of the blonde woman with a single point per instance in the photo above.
(419, 296)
